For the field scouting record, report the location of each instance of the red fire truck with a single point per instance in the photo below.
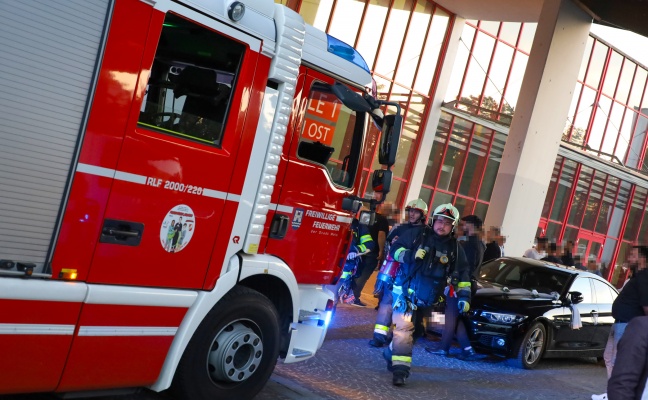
(177, 184)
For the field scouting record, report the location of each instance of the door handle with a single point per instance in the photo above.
(121, 232)
(595, 317)
(279, 226)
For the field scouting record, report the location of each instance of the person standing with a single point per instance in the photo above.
(495, 244)
(416, 211)
(454, 322)
(628, 380)
(428, 257)
(632, 302)
(372, 259)
(552, 256)
(539, 251)
(361, 244)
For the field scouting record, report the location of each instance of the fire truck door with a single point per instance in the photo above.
(171, 193)
(320, 172)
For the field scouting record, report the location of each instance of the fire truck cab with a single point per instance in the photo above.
(178, 183)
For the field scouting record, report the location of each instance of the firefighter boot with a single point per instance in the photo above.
(399, 377)
(378, 340)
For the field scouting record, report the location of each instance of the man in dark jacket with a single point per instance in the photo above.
(429, 257)
(628, 380)
(494, 244)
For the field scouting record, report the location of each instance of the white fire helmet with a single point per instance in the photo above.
(446, 211)
(417, 204)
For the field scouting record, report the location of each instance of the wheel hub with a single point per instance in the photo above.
(235, 353)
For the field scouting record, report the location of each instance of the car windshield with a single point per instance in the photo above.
(515, 275)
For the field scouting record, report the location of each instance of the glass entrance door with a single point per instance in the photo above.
(590, 249)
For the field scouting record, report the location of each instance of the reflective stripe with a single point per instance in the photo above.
(362, 248)
(379, 328)
(365, 238)
(345, 274)
(463, 284)
(398, 253)
(401, 360)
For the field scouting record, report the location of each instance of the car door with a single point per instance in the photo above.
(176, 165)
(566, 338)
(605, 296)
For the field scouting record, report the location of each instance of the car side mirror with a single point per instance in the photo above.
(575, 297)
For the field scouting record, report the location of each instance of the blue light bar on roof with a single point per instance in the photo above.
(343, 50)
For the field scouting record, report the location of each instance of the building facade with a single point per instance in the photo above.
(484, 130)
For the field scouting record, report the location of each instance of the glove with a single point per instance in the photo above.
(352, 256)
(463, 305)
(420, 254)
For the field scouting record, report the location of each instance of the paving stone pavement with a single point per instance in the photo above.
(346, 368)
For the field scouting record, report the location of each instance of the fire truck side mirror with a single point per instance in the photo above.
(367, 217)
(351, 204)
(350, 98)
(381, 181)
(389, 139)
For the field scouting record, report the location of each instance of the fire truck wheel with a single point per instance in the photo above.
(233, 351)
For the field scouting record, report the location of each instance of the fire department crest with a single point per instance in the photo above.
(177, 228)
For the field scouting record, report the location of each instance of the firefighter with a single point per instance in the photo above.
(416, 212)
(361, 243)
(430, 258)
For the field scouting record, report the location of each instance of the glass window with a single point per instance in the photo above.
(636, 214)
(580, 197)
(459, 66)
(509, 32)
(581, 120)
(553, 184)
(563, 194)
(372, 28)
(637, 88)
(392, 39)
(582, 285)
(586, 57)
(491, 27)
(413, 45)
(346, 20)
(455, 155)
(191, 82)
(609, 222)
(602, 292)
(515, 80)
(612, 130)
(327, 135)
(596, 64)
(601, 117)
(492, 166)
(430, 55)
(526, 37)
(434, 160)
(498, 73)
(476, 161)
(612, 73)
(316, 12)
(623, 88)
(440, 198)
(635, 146)
(594, 201)
(476, 74)
(626, 134)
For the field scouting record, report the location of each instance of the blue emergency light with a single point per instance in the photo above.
(343, 50)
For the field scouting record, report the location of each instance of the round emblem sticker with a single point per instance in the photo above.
(177, 228)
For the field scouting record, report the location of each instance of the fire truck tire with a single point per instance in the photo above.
(234, 350)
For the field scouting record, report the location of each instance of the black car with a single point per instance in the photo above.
(522, 310)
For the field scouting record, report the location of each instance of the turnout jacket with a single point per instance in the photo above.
(444, 262)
